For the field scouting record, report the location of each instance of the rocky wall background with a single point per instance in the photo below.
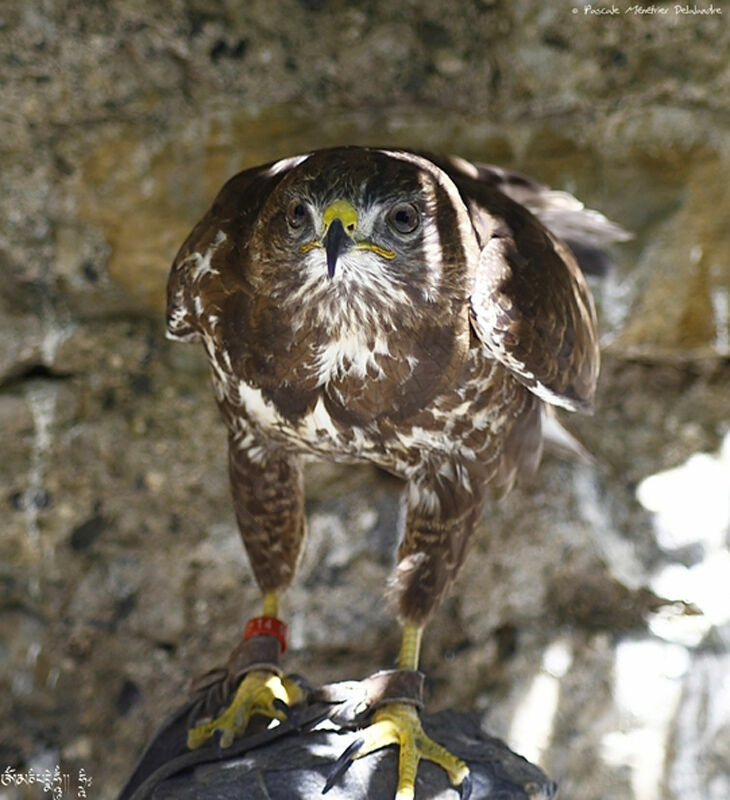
(121, 573)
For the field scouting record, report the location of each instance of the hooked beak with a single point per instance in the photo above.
(339, 220)
(335, 243)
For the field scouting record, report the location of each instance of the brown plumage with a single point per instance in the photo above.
(418, 312)
(430, 354)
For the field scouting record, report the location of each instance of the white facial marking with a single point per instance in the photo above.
(342, 307)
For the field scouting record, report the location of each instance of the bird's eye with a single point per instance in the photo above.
(296, 214)
(403, 217)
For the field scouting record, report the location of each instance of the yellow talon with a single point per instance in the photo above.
(398, 723)
(256, 694)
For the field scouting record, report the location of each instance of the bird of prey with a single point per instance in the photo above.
(381, 305)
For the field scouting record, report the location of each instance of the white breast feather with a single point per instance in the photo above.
(349, 354)
(316, 421)
(257, 407)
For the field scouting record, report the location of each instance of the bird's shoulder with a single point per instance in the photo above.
(213, 261)
(530, 304)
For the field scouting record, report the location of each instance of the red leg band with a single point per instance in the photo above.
(266, 626)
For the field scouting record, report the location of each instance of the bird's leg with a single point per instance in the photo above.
(398, 723)
(262, 690)
(410, 647)
(271, 605)
(439, 522)
(268, 500)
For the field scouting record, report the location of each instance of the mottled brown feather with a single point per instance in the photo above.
(461, 338)
(542, 312)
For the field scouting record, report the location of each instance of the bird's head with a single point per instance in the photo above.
(364, 225)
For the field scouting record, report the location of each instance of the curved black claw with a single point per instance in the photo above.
(293, 714)
(280, 705)
(465, 788)
(215, 740)
(193, 714)
(340, 767)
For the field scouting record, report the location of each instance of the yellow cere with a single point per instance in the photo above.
(343, 211)
(347, 215)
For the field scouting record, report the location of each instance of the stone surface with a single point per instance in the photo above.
(121, 573)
